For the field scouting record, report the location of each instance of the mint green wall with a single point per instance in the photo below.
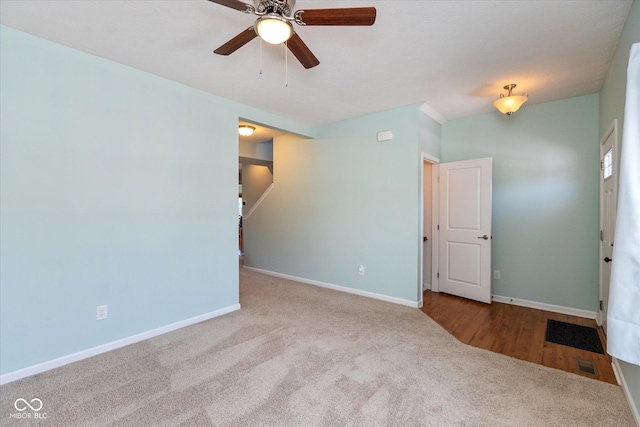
(256, 150)
(341, 200)
(255, 180)
(429, 135)
(117, 187)
(612, 100)
(545, 197)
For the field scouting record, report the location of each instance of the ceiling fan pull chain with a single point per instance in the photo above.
(286, 64)
(260, 56)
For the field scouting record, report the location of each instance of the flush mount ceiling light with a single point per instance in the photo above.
(273, 28)
(511, 103)
(246, 130)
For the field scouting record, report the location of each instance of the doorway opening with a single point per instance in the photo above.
(461, 228)
(255, 172)
(428, 225)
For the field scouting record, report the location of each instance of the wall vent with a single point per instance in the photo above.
(586, 367)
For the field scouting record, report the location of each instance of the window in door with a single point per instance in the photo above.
(607, 164)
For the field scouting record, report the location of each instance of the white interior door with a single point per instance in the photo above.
(608, 192)
(464, 259)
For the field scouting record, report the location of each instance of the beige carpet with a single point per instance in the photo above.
(298, 355)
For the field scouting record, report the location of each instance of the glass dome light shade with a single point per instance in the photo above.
(509, 104)
(246, 130)
(273, 29)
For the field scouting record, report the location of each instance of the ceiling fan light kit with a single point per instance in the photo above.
(273, 29)
(511, 103)
(274, 24)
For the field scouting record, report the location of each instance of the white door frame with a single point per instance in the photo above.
(612, 129)
(424, 157)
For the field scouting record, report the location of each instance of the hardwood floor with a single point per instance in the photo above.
(514, 331)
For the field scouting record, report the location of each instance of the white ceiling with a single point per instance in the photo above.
(454, 56)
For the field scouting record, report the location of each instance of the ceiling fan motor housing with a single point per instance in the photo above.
(281, 7)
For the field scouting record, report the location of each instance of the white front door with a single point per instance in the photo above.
(464, 257)
(608, 191)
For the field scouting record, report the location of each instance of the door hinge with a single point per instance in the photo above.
(601, 165)
(601, 236)
(601, 306)
(438, 227)
(438, 275)
(438, 179)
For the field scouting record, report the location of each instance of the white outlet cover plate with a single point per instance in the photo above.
(101, 312)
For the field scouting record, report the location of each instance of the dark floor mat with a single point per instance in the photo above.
(577, 336)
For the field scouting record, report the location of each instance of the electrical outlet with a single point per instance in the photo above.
(496, 274)
(361, 270)
(101, 312)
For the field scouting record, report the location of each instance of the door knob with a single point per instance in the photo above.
(607, 259)
(485, 237)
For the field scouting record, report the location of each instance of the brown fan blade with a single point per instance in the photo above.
(302, 52)
(346, 16)
(235, 4)
(237, 42)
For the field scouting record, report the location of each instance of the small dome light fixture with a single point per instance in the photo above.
(273, 28)
(511, 103)
(246, 130)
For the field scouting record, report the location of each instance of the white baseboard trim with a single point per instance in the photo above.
(94, 351)
(625, 387)
(547, 307)
(373, 295)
